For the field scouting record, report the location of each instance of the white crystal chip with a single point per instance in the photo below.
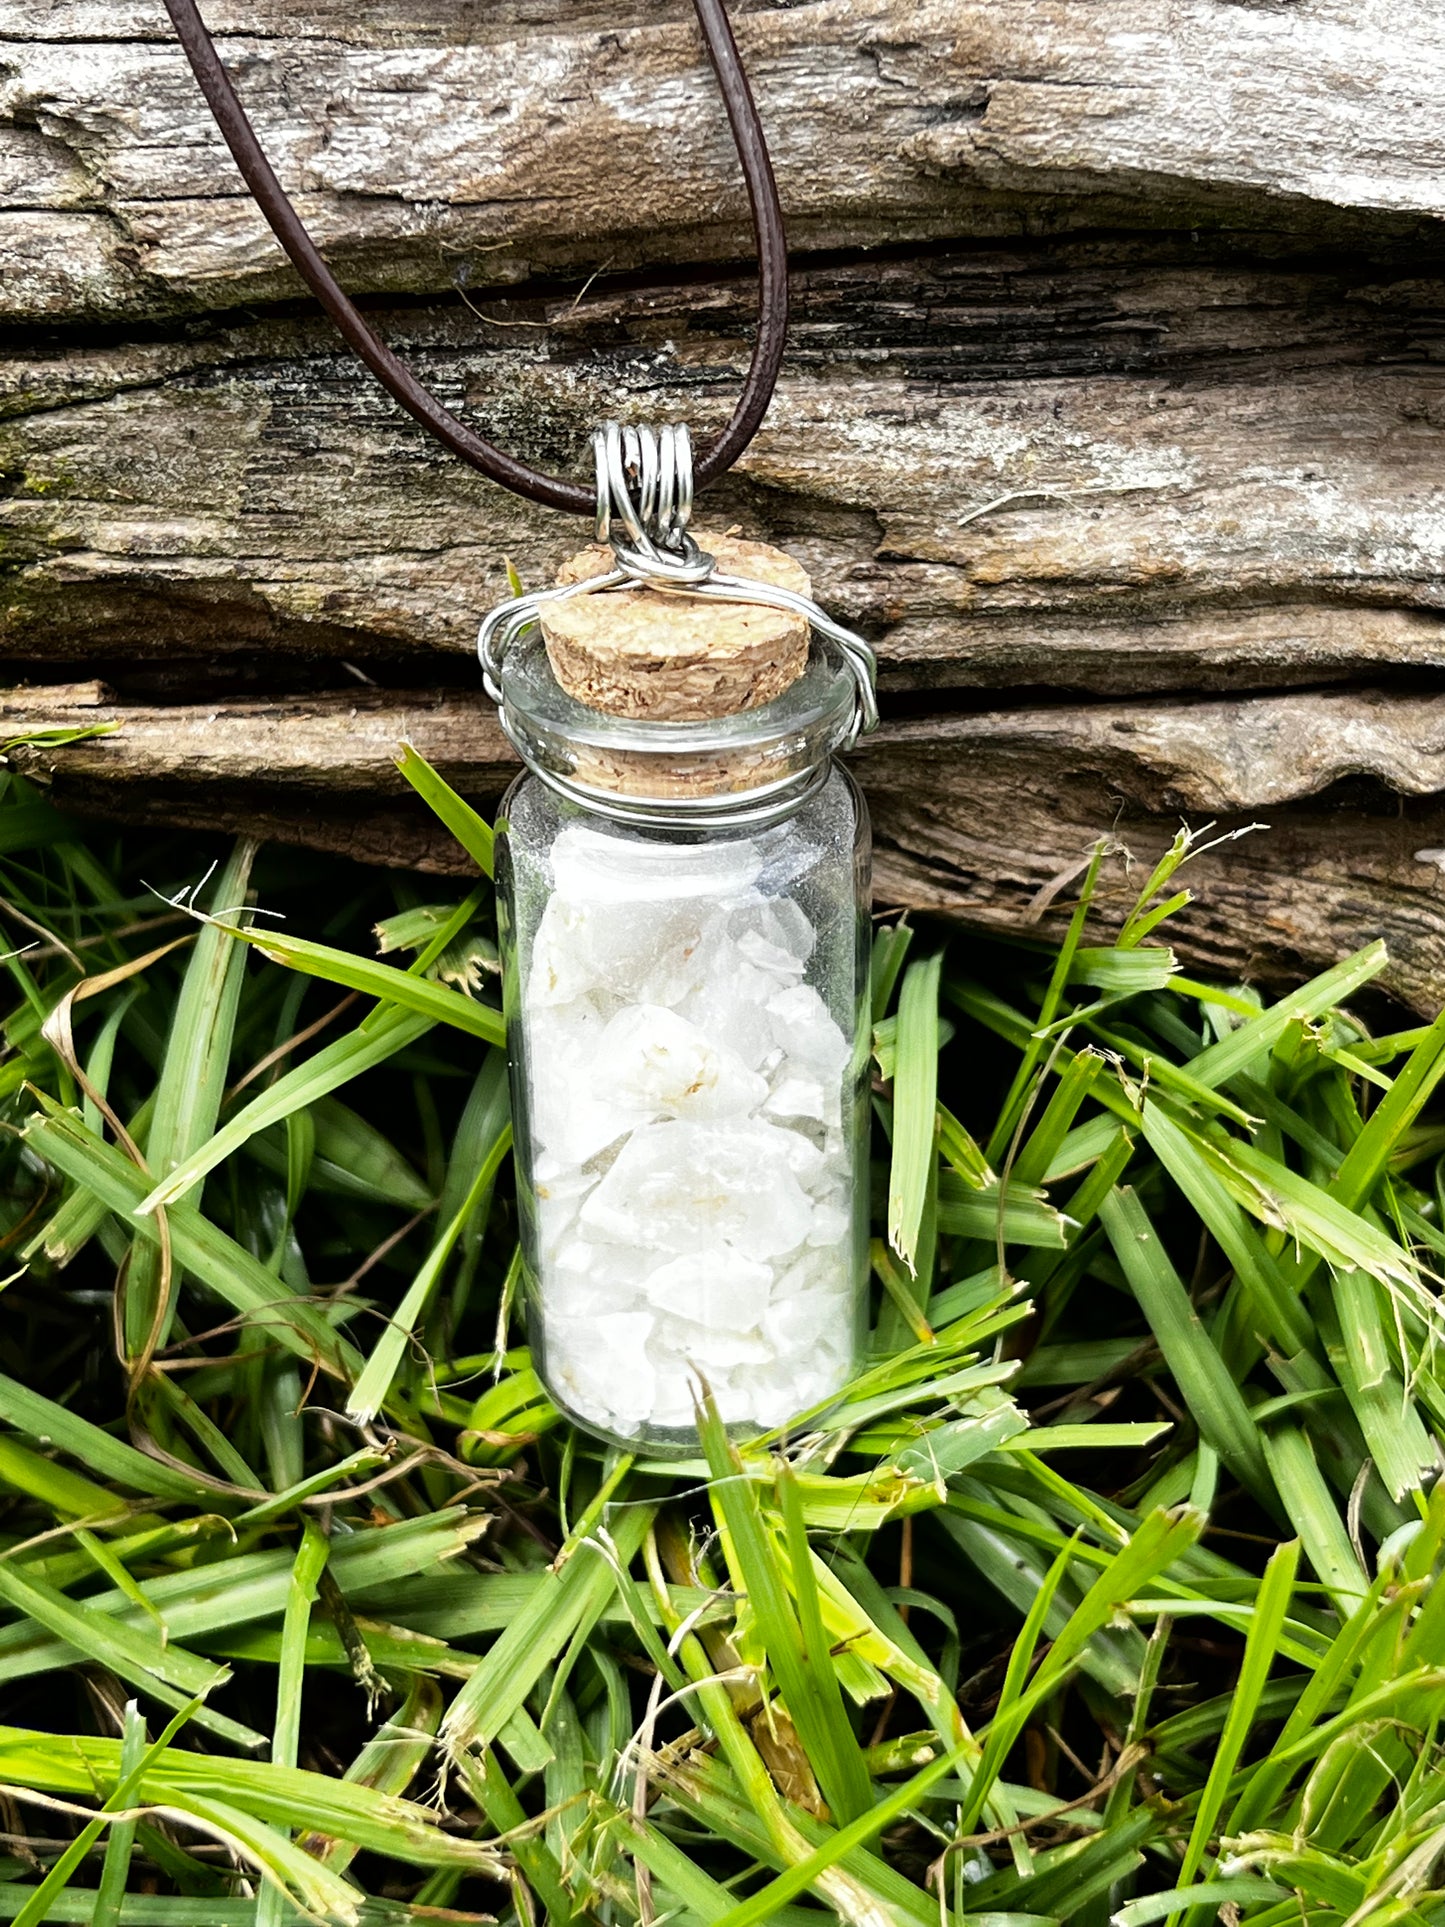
(679, 1186)
(691, 1173)
(663, 1066)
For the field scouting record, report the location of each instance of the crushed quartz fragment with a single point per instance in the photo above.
(692, 1175)
(679, 1185)
(721, 1290)
(661, 1065)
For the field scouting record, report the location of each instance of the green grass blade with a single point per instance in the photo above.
(1122, 972)
(1004, 1727)
(279, 1798)
(470, 830)
(802, 1669)
(1013, 1214)
(62, 1491)
(188, 1095)
(489, 1787)
(1219, 1062)
(142, 1658)
(198, 1245)
(705, 1899)
(311, 1557)
(890, 948)
(347, 1057)
(567, 1601)
(1209, 1392)
(1260, 1651)
(251, 1586)
(420, 995)
(135, 1757)
(1241, 1890)
(41, 1418)
(373, 1386)
(1032, 1043)
(361, 1159)
(1042, 1145)
(1279, 1315)
(958, 1146)
(1281, 1197)
(1368, 1158)
(1402, 1448)
(172, 1399)
(115, 1869)
(1315, 1516)
(900, 1289)
(389, 1761)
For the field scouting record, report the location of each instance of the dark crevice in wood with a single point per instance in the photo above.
(184, 682)
(578, 304)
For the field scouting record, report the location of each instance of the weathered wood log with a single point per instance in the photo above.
(520, 138)
(1114, 413)
(1032, 469)
(974, 815)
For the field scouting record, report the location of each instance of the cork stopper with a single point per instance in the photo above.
(661, 657)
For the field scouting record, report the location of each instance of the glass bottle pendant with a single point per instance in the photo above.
(683, 873)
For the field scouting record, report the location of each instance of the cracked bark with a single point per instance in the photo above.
(1113, 414)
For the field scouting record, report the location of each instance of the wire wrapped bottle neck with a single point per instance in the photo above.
(753, 766)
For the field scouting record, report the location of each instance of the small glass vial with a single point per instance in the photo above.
(685, 910)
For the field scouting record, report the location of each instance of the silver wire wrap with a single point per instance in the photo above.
(644, 481)
(644, 503)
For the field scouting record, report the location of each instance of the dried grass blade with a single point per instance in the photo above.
(915, 1106)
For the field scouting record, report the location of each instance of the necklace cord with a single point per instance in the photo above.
(393, 373)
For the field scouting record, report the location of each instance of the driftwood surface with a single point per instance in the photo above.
(1114, 414)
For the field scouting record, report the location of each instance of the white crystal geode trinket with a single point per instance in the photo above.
(683, 884)
(692, 1175)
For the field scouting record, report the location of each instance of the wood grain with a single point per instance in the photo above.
(1114, 414)
(1054, 466)
(511, 142)
(973, 815)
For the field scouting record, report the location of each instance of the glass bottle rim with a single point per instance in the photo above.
(731, 772)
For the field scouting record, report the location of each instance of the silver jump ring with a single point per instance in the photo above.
(615, 501)
(674, 500)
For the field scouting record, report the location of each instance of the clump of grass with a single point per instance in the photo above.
(1107, 1592)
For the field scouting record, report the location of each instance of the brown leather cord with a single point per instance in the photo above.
(393, 373)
